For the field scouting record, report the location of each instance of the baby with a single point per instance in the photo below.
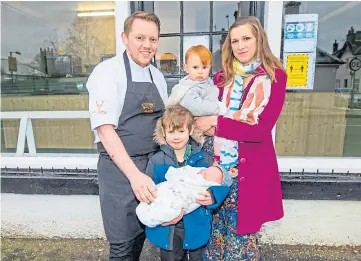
(178, 192)
(197, 93)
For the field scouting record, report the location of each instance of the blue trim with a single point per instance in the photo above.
(228, 165)
(238, 83)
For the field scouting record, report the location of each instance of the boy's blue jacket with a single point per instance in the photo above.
(197, 224)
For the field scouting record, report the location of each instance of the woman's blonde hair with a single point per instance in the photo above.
(269, 61)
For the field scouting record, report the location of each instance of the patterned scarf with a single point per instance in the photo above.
(229, 148)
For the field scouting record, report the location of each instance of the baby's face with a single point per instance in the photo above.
(195, 69)
(212, 174)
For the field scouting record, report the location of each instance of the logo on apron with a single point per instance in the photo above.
(99, 108)
(148, 107)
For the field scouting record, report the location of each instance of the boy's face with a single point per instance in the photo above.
(179, 138)
(195, 69)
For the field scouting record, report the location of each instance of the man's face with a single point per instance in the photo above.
(142, 41)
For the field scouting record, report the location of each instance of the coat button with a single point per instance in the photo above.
(243, 160)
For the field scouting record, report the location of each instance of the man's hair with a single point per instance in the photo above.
(175, 117)
(203, 53)
(150, 17)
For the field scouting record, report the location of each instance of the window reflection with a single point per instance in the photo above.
(61, 44)
(197, 14)
(48, 50)
(218, 41)
(326, 121)
(168, 55)
(224, 14)
(170, 83)
(169, 15)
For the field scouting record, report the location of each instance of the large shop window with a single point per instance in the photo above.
(325, 121)
(48, 50)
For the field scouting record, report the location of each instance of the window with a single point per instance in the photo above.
(48, 50)
(356, 84)
(185, 24)
(321, 121)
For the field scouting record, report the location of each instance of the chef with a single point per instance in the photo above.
(126, 97)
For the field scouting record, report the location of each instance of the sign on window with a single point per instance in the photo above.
(299, 57)
(12, 64)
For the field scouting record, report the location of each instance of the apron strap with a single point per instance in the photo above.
(151, 76)
(129, 71)
(127, 66)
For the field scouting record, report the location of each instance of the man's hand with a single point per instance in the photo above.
(204, 198)
(174, 221)
(143, 187)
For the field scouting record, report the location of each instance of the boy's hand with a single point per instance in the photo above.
(204, 198)
(174, 221)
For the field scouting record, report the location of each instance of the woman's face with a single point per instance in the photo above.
(244, 44)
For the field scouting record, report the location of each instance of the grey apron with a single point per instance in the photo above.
(142, 107)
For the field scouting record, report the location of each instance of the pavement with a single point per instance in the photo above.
(96, 250)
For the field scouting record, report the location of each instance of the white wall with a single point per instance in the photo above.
(122, 11)
(49, 216)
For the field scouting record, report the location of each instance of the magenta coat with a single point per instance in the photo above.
(259, 185)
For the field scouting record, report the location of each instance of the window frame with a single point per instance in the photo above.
(273, 26)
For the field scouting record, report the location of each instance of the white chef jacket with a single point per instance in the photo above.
(107, 86)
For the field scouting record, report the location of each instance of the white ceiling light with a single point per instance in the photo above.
(96, 13)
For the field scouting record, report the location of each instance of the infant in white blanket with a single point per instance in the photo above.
(177, 193)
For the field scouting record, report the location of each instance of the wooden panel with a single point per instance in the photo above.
(327, 126)
(290, 140)
(50, 134)
(10, 130)
(312, 124)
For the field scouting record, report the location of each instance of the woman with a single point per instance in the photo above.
(255, 196)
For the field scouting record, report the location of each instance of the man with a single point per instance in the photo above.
(126, 97)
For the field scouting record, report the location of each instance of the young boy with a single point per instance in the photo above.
(180, 146)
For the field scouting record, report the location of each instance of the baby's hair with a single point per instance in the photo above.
(203, 53)
(175, 117)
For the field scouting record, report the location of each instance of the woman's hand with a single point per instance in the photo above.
(204, 198)
(205, 123)
(174, 221)
(211, 131)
